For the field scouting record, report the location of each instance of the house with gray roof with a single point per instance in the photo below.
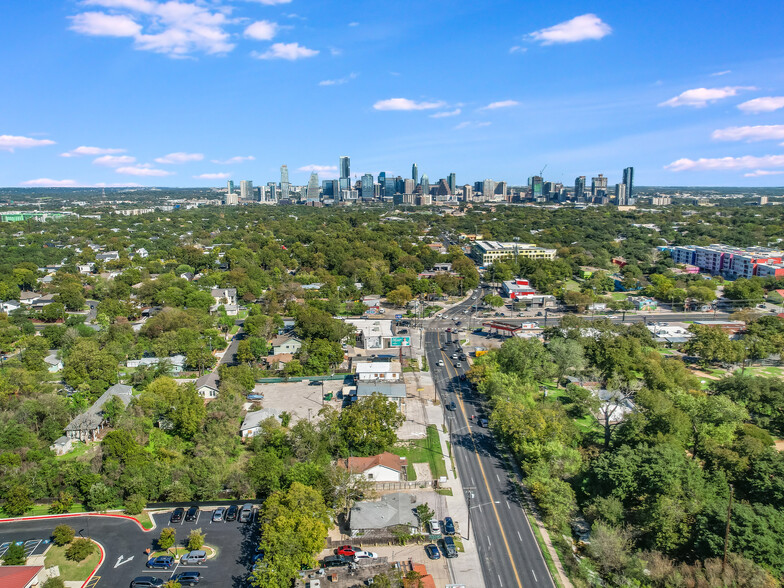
(89, 424)
(251, 425)
(208, 385)
(394, 391)
(390, 511)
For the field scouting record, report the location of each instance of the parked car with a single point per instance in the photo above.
(195, 557)
(146, 582)
(162, 562)
(219, 514)
(192, 514)
(177, 515)
(449, 547)
(435, 527)
(335, 561)
(365, 555)
(454, 356)
(187, 578)
(255, 396)
(246, 513)
(346, 550)
(431, 549)
(483, 423)
(231, 513)
(449, 526)
(463, 357)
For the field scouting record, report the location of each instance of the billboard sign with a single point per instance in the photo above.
(400, 342)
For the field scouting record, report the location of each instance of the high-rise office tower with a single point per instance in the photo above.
(367, 187)
(326, 188)
(443, 188)
(452, 180)
(599, 186)
(246, 189)
(230, 186)
(425, 184)
(488, 189)
(501, 189)
(312, 194)
(284, 181)
(579, 188)
(415, 173)
(468, 193)
(409, 186)
(628, 179)
(537, 186)
(345, 166)
(389, 186)
(272, 191)
(621, 194)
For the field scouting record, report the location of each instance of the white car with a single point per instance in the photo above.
(441, 363)
(365, 555)
(435, 527)
(458, 365)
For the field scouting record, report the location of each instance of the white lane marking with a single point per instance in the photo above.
(489, 544)
(507, 505)
(520, 536)
(534, 573)
(121, 561)
(497, 478)
(500, 583)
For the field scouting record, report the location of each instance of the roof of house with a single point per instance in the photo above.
(390, 510)
(255, 418)
(363, 464)
(425, 580)
(388, 389)
(93, 416)
(18, 576)
(224, 292)
(279, 357)
(377, 367)
(209, 379)
(281, 339)
(30, 295)
(52, 359)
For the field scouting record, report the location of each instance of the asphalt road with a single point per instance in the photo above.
(508, 550)
(231, 351)
(124, 543)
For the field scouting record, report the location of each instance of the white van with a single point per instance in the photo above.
(194, 557)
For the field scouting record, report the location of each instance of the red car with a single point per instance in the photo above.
(346, 550)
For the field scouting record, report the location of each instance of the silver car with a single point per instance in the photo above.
(217, 516)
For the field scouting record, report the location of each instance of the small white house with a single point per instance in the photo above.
(384, 467)
(53, 363)
(251, 425)
(9, 306)
(207, 385)
(285, 344)
(389, 371)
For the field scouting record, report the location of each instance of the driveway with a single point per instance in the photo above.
(124, 543)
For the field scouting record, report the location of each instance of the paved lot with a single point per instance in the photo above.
(125, 543)
(300, 399)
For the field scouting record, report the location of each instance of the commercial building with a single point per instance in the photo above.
(452, 182)
(628, 179)
(372, 333)
(517, 288)
(415, 173)
(369, 371)
(599, 186)
(621, 195)
(313, 188)
(731, 261)
(486, 252)
(285, 186)
(246, 189)
(345, 167)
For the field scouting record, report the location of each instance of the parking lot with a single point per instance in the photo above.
(125, 545)
(302, 400)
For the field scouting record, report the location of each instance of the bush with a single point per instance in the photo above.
(63, 503)
(135, 504)
(195, 539)
(80, 550)
(55, 582)
(63, 534)
(14, 555)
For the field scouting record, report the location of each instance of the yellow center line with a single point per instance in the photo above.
(479, 461)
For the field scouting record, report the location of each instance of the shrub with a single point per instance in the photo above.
(135, 504)
(167, 538)
(63, 534)
(14, 555)
(63, 503)
(80, 550)
(195, 539)
(56, 582)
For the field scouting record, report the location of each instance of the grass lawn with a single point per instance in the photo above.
(43, 509)
(242, 314)
(427, 450)
(572, 286)
(619, 295)
(80, 450)
(234, 329)
(71, 571)
(144, 519)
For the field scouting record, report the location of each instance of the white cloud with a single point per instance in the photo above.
(321, 169)
(764, 104)
(290, 51)
(213, 176)
(721, 73)
(762, 172)
(700, 97)
(114, 160)
(262, 30)
(406, 104)
(501, 104)
(270, 2)
(750, 134)
(11, 142)
(518, 49)
(335, 51)
(175, 28)
(446, 113)
(353, 24)
(727, 163)
(468, 124)
(143, 170)
(233, 160)
(92, 151)
(580, 28)
(179, 157)
(48, 183)
(100, 24)
(339, 81)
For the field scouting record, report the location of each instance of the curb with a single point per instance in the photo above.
(79, 514)
(100, 563)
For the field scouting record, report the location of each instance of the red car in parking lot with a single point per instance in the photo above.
(346, 550)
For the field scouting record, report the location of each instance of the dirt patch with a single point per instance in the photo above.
(779, 445)
(423, 472)
(702, 374)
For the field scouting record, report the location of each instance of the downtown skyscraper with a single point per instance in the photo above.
(284, 181)
(628, 179)
(415, 173)
(345, 166)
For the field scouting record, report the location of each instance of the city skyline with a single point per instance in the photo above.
(153, 93)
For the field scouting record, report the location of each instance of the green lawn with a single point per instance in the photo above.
(572, 286)
(427, 450)
(79, 450)
(71, 571)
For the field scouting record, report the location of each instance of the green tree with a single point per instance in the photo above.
(14, 555)
(167, 538)
(135, 504)
(424, 513)
(80, 549)
(195, 539)
(493, 300)
(87, 364)
(62, 504)
(568, 357)
(400, 296)
(63, 534)
(17, 501)
(369, 425)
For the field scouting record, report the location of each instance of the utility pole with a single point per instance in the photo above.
(726, 530)
(469, 494)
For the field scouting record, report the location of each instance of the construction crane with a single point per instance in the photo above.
(541, 173)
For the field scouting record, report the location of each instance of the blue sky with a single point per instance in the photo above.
(194, 92)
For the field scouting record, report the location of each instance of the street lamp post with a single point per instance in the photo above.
(469, 495)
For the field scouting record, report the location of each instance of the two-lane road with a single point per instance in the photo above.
(508, 550)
